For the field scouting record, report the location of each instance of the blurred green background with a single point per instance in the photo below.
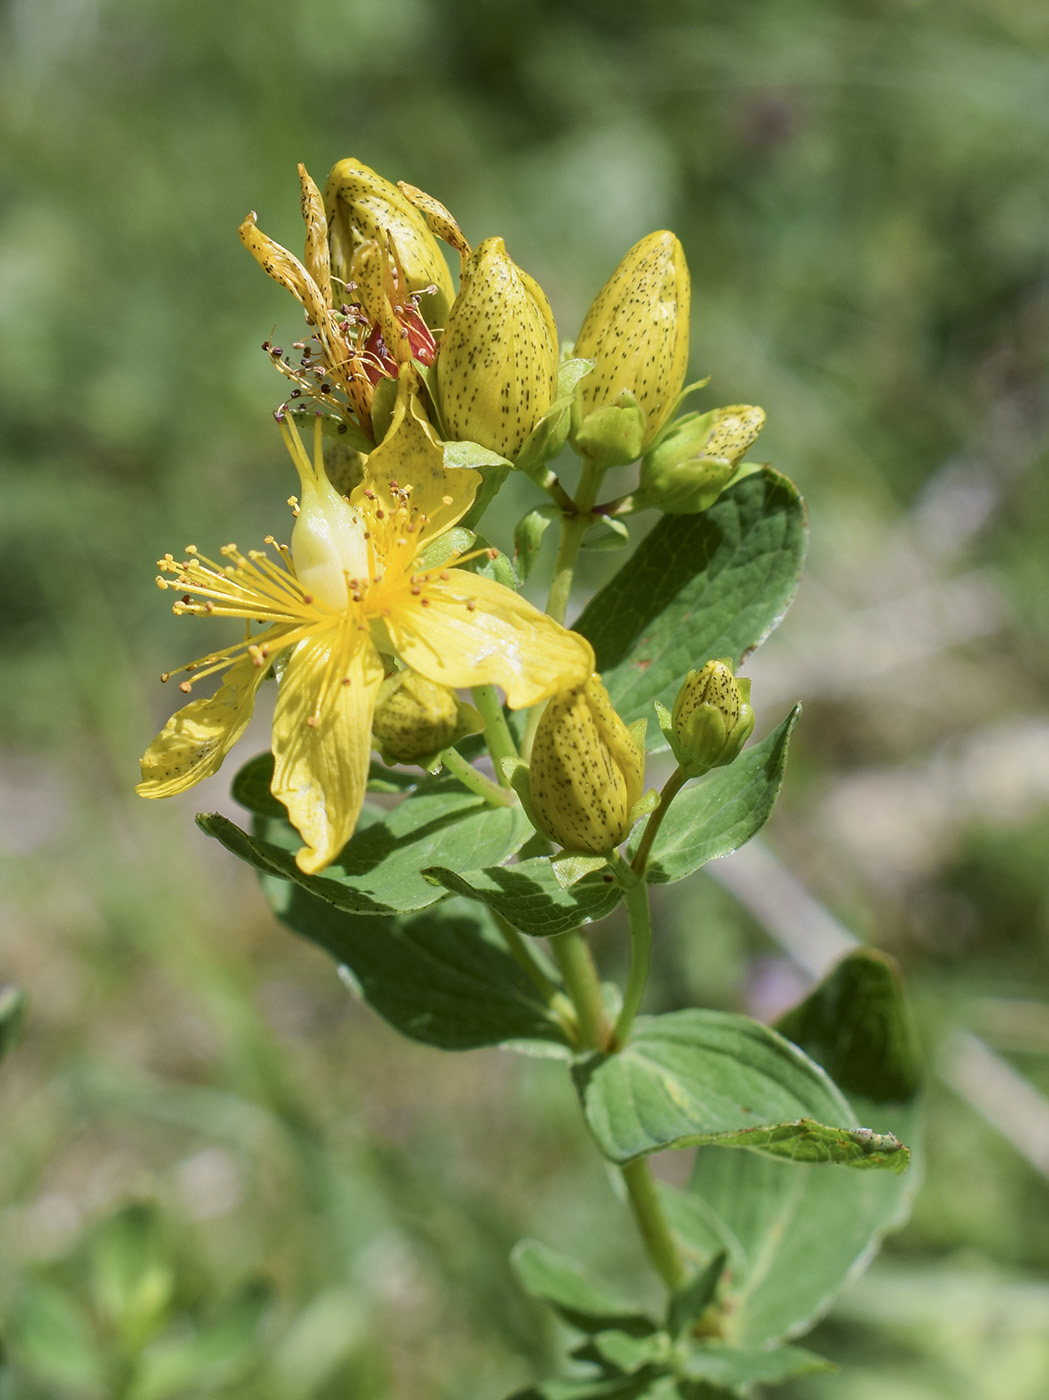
(209, 1156)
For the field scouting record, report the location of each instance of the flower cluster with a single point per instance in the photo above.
(373, 617)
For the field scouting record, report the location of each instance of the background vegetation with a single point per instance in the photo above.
(210, 1159)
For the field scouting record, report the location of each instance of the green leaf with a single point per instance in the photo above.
(444, 977)
(131, 1276)
(694, 1077)
(12, 1016)
(857, 1025)
(50, 1335)
(625, 1352)
(225, 1349)
(530, 896)
(565, 1287)
(687, 1304)
(796, 1237)
(528, 536)
(722, 811)
(699, 586)
(736, 1366)
(436, 823)
(645, 1386)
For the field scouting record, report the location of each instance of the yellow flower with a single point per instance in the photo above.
(333, 613)
(373, 328)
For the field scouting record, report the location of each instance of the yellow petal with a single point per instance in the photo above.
(283, 267)
(196, 739)
(466, 630)
(412, 456)
(321, 768)
(318, 257)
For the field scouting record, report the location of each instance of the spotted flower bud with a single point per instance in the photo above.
(711, 719)
(587, 771)
(696, 458)
(497, 360)
(361, 206)
(414, 718)
(636, 332)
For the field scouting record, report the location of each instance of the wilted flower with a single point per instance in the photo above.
(362, 207)
(362, 336)
(351, 592)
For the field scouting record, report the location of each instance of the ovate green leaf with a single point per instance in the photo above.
(722, 811)
(699, 586)
(444, 977)
(691, 1077)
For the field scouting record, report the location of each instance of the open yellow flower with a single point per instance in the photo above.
(333, 613)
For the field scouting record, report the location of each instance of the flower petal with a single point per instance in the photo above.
(196, 739)
(465, 630)
(321, 768)
(412, 456)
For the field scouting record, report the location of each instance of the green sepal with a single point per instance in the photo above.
(612, 436)
(550, 433)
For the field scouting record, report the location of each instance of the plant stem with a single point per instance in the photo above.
(640, 915)
(572, 953)
(655, 1229)
(468, 775)
(671, 788)
(574, 526)
(523, 953)
(496, 731)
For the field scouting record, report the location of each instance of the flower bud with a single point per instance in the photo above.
(362, 206)
(414, 718)
(711, 719)
(636, 332)
(587, 771)
(497, 360)
(696, 458)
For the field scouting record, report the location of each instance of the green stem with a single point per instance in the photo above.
(524, 954)
(496, 731)
(671, 788)
(574, 526)
(572, 953)
(639, 914)
(468, 775)
(655, 1230)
